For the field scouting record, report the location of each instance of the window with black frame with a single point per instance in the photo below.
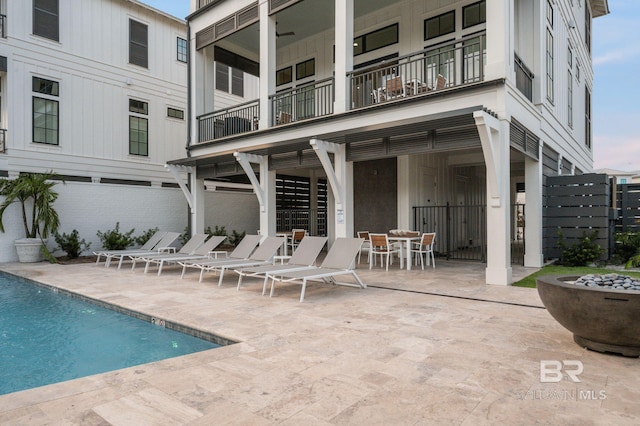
(474, 52)
(375, 40)
(46, 116)
(440, 25)
(474, 14)
(138, 44)
(138, 128)
(284, 76)
(46, 19)
(182, 50)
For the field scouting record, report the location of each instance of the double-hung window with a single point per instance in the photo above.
(45, 111)
(46, 19)
(138, 128)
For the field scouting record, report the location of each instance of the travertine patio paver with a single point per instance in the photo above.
(417, 347)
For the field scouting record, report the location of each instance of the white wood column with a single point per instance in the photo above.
(500, 39)
(197, 210)
(267, 63)
(533, 256)
(340, 177)
(404, 187)
(344, 54)
(265, 189)
(494, 136)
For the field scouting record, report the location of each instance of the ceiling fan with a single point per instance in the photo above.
(288, 33)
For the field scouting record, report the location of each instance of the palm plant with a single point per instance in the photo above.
(34, 192)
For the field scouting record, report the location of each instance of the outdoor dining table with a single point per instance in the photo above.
(405, 241)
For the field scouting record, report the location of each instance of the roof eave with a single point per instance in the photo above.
(600, 8)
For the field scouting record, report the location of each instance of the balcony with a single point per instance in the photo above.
(303, 102)
(524, 78)
(230, 121)
(454, 64)
(457, 63)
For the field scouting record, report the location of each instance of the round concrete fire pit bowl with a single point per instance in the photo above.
(603, 320)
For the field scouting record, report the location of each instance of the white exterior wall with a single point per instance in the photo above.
(91, 64)
(95, 83)
(90, 208)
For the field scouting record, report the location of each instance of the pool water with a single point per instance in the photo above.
(47, 337)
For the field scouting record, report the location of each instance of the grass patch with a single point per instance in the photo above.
(530, 281)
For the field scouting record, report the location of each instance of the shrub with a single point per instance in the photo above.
(184, 237)
(144, 237)
(582, 253)
(115, 240)
(71, 244)
(627, 246)
(220, 231)
(236, 237)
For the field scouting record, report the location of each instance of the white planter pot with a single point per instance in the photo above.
(29, 250)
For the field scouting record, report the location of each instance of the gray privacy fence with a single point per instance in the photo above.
(627, 207)
(575, 205)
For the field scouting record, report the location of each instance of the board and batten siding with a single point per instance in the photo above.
(96, 82)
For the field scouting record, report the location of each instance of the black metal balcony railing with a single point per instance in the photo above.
(3, 26)
(303, 102)
(230, 121)
(3, 140)
(524, 78)
(452, 64)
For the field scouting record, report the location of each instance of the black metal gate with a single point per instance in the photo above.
(461, 231)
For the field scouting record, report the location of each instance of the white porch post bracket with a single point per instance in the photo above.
(245, 161)
(322, 150)
(175, 170)
(489, 131)
(494, 137)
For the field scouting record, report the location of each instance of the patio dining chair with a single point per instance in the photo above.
(296, 237)
(425, 247)
(366, 244)
(380, 245)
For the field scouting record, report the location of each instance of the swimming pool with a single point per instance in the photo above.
(48, 337)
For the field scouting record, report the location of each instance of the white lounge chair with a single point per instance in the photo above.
(262, 256)
(339, 261)
(201, 253)
(304, 256)
(165, 245)
(188, 248)
(242, 251)
(149, 245)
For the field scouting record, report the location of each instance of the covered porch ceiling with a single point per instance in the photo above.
(304, 19)
(442, 132)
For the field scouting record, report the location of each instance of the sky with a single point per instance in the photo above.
(616, 93)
